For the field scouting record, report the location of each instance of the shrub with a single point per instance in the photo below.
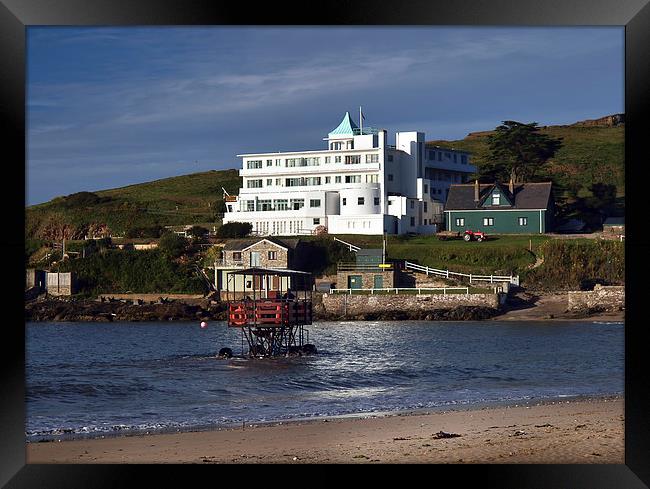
(235, 230)
(145, 232)
(197, 231)
(172, 245)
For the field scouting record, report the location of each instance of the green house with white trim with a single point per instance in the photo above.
(522, 208)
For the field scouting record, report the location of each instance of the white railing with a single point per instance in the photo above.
(397, 290)
(349, 245)
(472, 277)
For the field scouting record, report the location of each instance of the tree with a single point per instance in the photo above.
(235, 230)
(172, 245)
(518, 151)
(197, 231)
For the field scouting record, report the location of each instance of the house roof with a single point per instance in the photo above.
(526, 196)
(345, 128)
(242, 244)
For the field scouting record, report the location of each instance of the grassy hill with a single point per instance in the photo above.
(186, 199)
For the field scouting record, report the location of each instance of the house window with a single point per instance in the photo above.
(460, 221)
(425, 222)
(439, 156)
(425, 206)
(337, 159)
(353, 179)
(278, 162)
(314, 203)
(281, 205)
(316, 220)
(360, 200)
(496, 199)
(372, 158)
(250, 205)
(328, 179)
(376, 200)
(455, 158)
(278, 182)
(273, 255)
(328, 159)
(488, 221)
(297, 204)
(236, 256)
(390, 177)
(264, 205)
(254, 183)
(269, 162)
(463, 159)
(426, 188)
(254, 164)
(412, 204)
(269, 182)
(352, 159)
(345, 201)
(372, 178)
(413, 221)
(523, 221)
(337, 179)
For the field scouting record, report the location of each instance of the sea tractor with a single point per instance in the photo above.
(271, 307)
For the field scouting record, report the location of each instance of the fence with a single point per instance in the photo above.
(411, 290)
(472, 277)
(349, 245)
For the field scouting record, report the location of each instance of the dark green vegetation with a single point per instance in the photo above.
(123, 271)
(588, 171)
(235, 230)
(136, 210)
(578, 264)
(518, 152)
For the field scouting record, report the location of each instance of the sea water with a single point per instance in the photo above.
(96, 379)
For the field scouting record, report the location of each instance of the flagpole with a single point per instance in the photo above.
(361, 119)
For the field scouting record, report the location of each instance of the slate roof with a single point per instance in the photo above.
(526, 196)
(240, 244)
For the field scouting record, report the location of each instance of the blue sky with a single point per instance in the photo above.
(108, 107)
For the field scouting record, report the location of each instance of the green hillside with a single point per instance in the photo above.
(590, 155)
(186, 199)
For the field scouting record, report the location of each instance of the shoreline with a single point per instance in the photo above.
(537, 431)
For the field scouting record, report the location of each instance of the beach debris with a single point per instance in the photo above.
(547, 425)
(295, 458)
(442, 434)
(519, 433)
(400, 439)
(580, 426)
(360, 456)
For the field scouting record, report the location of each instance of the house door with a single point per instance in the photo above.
(378, 282)
(255, 258)
(354, 282)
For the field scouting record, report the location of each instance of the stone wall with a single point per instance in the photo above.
(263, 247)
(609, 298)
(344, 304)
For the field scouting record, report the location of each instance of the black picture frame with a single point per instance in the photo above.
(16, 15)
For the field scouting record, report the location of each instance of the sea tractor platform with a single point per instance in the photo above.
(271, 307)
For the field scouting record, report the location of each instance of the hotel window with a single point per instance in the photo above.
(328, 159)
(316, 220)
(463, 159)
(281, 205)
(273, 255)
(297, 204)
(314, 203)
(337, 145)
(488, 221)
(328, 180)
(390, 177)
(313, 161)
(236, 256)
(250, 206)
(337, 179)
(390, 157)
(312, 181)
(254, 183)
(278, 182)
(352, 159)
(372, 178)
(425, 206)
(372, 158)
(523, 221)
(496, 199)
(269, 162)
(269, 182)
(376, 200)
(426, 188)
(264, 205)
(460, 221)
(337, 159)
(353, 179)
(345, 201)
(293, 182)
(360, 201)
(413, 221)
(278, 162)
(254, 164)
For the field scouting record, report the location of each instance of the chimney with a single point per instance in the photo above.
(476, 190)
(511, 187)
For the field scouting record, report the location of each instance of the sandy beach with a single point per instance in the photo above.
(566, 432)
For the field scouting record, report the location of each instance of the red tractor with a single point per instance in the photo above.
(477, 235)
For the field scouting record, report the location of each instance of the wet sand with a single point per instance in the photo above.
(565, 432)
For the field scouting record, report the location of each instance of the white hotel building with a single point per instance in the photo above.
(358, 185)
